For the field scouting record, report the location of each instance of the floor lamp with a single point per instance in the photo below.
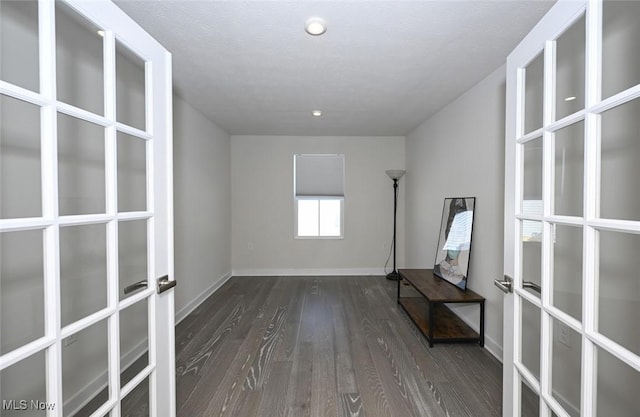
(395, 175)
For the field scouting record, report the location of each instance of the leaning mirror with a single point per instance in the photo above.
(454, 243)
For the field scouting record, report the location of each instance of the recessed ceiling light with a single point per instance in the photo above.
(317, 113)
(101, 33)
(570, 98)
(315, 26)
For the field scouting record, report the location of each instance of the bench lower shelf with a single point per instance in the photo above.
(447, 327)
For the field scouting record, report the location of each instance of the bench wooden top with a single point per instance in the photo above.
(436, 289)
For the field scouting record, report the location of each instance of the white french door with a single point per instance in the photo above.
(85, 213)
(572, 207)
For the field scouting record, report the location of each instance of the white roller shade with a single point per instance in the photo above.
(319, 175)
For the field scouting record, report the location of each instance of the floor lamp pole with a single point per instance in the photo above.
(394, 275)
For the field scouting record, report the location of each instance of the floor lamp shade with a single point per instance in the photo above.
(395, 174)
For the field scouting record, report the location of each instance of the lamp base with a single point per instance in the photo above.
(393, 276)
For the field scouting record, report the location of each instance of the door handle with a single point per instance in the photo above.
(532, 285)
(134, 287)
(505, 286)
(165, 284)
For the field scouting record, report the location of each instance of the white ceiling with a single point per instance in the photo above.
(382, 67)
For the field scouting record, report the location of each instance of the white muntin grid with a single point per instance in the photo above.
(590, 223)
(50, 221)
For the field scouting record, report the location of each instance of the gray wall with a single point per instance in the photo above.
(202, 205)
(459, 152)
(262, 206)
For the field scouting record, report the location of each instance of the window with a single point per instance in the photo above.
(319, 196)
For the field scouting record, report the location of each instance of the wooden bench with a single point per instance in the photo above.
(434, 319)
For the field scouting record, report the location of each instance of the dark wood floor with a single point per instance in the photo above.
(323, 346)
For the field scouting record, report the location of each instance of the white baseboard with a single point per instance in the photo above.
(80, 399)
(493, 348)
(308, 272)
(193, 304)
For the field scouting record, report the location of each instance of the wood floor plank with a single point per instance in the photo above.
(197, 399)
(247, 330)
(351, 405)
(388, 361)
(419, 392)
(259, 300)
(428, 359)
(213, 311)
(345, 375)
(200, 328)
(323, 383)
(222, 401)
(468, 371)
(258, 370)
(248, 403)
(190, 369)
(289, 335)
(392, 378)
(367, 379)
(298, 402)
(257, 346)
(273, 402)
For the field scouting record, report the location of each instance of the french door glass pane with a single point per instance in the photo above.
(569, 170)
(533, 95)
(132, 254)
(617, 386)
(570, 59)
(81, 166)
(530, 401)
(83, 271)
(132, 173)
(85, 369)
(20, 167)
(619, 295)
(620, 162)
(532, 181)
(531, 254)
(130, 88)
(567, 270)
(531, 337)
(19, 56)
(79, 61)
(134, 341)
(620, 52)
(566, 369)
(21, 288)
(21, 383)
(136, 403)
